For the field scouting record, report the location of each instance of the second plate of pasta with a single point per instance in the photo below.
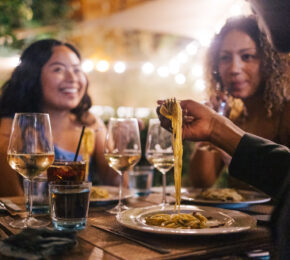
(192, 220)
(107, 195)
(219, 198)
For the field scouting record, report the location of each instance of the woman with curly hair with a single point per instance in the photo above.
(244, 72)
(49, 79)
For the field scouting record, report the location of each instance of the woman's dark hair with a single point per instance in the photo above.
(23, 91)
(273, 65)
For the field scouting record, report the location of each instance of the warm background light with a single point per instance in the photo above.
(134, 54)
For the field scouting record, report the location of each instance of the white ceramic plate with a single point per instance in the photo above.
(251, 197)
(234, 221)
(113, 196)
(170, 190)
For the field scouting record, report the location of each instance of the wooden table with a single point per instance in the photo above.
(98, 244)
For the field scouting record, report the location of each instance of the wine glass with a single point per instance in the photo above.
(159, 151)
(30, 152)
(219, 102)
(122, 150)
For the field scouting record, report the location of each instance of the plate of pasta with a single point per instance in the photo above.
(224, 197)
(107, 195)
(191, 220)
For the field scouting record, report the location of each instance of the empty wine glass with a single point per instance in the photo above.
(122, 150)
(219, 102)
(30, 152)
(159, 151)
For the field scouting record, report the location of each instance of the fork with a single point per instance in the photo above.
(169, 103)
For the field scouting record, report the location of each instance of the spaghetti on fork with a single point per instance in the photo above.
(171, 109)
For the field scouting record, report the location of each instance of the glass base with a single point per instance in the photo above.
(142, 193)
(29, 223)
(117, 209)
(164, 204)
(69, 225)
(38, 209)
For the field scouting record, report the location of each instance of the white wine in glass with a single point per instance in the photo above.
(122, 162)
(30, 165)
(161, 161)
(30, 152)
(159, 151)
(122, 150)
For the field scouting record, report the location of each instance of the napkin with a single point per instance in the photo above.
(37, 244)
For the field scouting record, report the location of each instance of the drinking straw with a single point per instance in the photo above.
(79, 144)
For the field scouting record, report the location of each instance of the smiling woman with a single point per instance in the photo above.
(49, 79)
(63, 82)
(250, 77)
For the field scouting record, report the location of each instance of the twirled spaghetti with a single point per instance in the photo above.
(181, 220)
(226, 194)
(171, 109)
(99, 193)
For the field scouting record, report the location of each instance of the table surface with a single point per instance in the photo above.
(97, 244)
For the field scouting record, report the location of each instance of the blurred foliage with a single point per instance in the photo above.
(20, 14)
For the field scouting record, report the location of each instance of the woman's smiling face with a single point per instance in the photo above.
(63, 81)
(239, 65)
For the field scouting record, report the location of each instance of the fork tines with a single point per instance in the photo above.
(169, 103)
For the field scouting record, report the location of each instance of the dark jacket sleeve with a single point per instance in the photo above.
(261, 163)
(265, 165)
(280, 223)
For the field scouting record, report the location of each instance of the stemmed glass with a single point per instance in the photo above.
(30, 152)
(122, 150)
(220, 102)
(159, 151)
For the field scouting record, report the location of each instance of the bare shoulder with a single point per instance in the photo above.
(91, 121)
(5, 126)
(96, 125)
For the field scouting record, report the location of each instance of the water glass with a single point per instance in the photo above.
(39, 195)
(140, 180)
(69, 205)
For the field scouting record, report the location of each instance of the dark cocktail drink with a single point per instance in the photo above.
(67, 171)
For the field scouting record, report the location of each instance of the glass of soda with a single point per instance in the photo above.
(69, 205)
(72, 172)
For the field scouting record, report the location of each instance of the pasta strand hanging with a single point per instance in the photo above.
(171, 109)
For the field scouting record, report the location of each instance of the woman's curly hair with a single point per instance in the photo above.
(273, 69)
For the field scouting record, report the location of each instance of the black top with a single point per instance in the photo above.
(266, 165)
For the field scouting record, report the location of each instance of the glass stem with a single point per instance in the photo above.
(164, 189)
(30, 192)
(120, 203)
